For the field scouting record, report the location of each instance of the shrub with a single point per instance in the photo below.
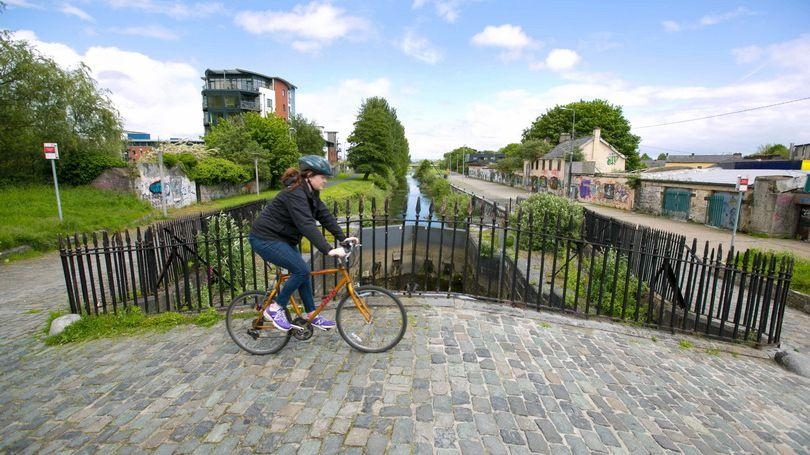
(227, 252)
(605, 272)
(82, 168)
(546, 212)
(216, 171)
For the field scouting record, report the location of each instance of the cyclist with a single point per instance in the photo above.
(278, 230)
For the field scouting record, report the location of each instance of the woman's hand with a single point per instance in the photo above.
(337, 252)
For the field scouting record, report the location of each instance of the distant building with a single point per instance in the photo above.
(698, 161)
(800, 152)
(550, 171)
(331, 147)
(233, 92)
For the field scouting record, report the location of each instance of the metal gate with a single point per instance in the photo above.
(722, 210)
(676, 203)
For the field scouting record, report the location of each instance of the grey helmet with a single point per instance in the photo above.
(316, 164)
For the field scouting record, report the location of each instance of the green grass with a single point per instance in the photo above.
(800, 282)
(29, 214)
(126, 323)
(685, 344)
(219, 204)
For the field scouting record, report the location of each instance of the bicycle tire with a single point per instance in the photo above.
(388, 320)
(239, 321)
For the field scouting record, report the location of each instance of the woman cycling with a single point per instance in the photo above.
(278, 230)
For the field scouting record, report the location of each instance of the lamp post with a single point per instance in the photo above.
(256, 170)
(571, 155)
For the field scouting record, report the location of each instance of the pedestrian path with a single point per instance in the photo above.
(469, 377)
(503, 193)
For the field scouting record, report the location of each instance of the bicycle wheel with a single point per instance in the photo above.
(387, 325)
(256, 338)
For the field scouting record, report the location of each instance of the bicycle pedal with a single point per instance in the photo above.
(253, 333)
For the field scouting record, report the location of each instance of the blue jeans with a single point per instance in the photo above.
(285, 256)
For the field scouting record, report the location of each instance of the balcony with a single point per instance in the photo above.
(219, 84)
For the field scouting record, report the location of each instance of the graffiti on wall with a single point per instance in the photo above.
(609, 192)
(179, 191)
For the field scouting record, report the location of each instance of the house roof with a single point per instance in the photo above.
(212, 73)
(565, 147)
(692, 158)
(717, 176)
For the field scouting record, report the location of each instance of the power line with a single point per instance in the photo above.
(724, 114)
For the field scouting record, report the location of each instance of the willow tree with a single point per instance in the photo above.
(41, 102)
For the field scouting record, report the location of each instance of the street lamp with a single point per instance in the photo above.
(571, 157)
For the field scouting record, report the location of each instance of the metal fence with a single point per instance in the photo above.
(601, 268)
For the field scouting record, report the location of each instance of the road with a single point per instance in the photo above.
(503, 193)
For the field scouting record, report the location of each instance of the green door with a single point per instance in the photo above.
(722, 210)
(676, 203)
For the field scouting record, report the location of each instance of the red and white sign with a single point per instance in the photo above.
(742, 184)
(51, 150)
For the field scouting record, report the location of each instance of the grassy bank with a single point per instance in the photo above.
(29, 215)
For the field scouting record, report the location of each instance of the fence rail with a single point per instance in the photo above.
(602, 268)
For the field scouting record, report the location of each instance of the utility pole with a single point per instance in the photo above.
(568, 192)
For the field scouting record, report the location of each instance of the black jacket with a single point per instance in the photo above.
(292, 214)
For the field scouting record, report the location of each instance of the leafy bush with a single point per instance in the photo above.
(186, 160)
(227, 252)
(605, 272)
(216, 171)
(82, 168)
(546, 212)
(433, 183)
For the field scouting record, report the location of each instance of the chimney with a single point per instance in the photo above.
(597, 135)
(564, 137)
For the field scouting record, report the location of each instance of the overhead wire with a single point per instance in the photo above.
(723, 114)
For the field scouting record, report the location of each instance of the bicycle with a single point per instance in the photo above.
(369, 318)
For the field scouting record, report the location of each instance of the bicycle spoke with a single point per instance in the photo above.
(254, 338)
(387, 325)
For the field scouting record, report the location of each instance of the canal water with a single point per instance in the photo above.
(404, 201)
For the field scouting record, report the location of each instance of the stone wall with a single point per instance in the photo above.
(649, 198)
(179, 191)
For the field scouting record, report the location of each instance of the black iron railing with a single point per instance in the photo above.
(606, 269)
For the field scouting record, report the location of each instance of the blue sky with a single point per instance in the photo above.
(458, 72)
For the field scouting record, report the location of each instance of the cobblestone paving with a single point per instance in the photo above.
(468, 377)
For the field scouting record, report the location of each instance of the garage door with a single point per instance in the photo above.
(676, 203)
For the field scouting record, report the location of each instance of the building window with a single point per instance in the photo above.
(559, 164)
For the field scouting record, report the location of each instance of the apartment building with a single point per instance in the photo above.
(232, 92)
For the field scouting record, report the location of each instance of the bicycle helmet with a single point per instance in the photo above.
(316, 164)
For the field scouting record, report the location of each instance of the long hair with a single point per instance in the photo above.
(292, 177)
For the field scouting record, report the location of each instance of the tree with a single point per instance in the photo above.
(40, 102)
(662, 157)
(242, 139)
(589, 115)
(377, 144)
(771, 150)
(455, 159)
(307, 136)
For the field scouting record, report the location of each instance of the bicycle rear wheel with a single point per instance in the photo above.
(387, 325)
(248, 331)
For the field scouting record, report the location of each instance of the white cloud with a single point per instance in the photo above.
(311, 26)
(176, 10)
(562, 59)
(505, 36)
(22, 4)
(448, 10)
(671, 26)
(707, 20)
(336, 107)
(71, 10)
(159, 97)
(747, 54)
(714, 19)
(150, 31)
(420, 48)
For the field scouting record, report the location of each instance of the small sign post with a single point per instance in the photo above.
(51, 150)
(742, 187)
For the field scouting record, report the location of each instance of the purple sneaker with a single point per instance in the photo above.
(322, 323)
(278, 318)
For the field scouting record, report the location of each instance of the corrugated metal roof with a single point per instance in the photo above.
(717, 176)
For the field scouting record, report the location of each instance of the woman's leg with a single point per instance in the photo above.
(283, 255)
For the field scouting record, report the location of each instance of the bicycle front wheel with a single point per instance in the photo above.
(386, 325)
(250, 332)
